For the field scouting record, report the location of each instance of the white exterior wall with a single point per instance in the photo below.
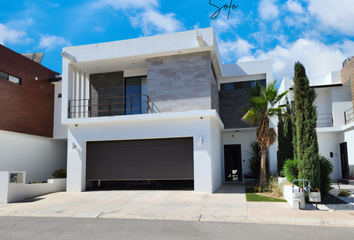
(329, 142)
(60, 131)
(243, 138)
(38, 156)
(348, 136)
(206, 179)
(217, 162)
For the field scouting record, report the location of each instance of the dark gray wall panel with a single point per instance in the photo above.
(231, 102)
(156, 159)
(102, 86)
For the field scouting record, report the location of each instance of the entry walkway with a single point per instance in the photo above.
(227, 204)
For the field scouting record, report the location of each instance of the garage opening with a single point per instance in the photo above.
(140, 164)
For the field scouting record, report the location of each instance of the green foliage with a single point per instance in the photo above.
(343, 193)
(288, 133)
(254, 162)
(281, 143)
(306, 123)
(326, 170)
(290, 169)
(59, 173)
(251, 196)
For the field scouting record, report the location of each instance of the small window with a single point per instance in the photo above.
(10, 78)
(59, 95)
(4, 75)
(14, 79)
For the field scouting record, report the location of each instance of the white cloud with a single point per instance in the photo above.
(231, 50)
(294, 6)
(268, 9)
(336, 14)
(222, 24)
(319, 59)
(50, 42)
(99, 29)
(153, 21)
(8, 35)
(124, 4)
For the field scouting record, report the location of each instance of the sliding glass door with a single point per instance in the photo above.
(135, 95)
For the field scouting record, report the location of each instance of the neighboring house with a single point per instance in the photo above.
(335, 123)
(26, 117)
(157, 108)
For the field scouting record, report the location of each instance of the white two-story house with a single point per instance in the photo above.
(335, 125)
(157, 108)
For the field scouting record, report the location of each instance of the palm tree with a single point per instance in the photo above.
(262, 104)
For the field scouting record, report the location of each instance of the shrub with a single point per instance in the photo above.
(59, 173)
(273, 186)
(254, 163)
(290, 169)
(326, 170)
(343, 193)
(257, 188)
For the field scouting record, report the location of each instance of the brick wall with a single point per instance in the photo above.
(347, 74)
(180, 82)
(26, 108)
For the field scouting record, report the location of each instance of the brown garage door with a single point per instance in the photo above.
(157, 159)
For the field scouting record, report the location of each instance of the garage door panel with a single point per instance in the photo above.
(157, 159)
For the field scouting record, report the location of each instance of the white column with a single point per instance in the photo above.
(76, 165)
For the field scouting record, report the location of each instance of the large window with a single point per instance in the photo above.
(10, 78)
(135, 92)
(241, 85)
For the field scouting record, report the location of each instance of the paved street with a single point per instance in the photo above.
(74, 228)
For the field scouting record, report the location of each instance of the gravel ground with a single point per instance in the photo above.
(346, 203)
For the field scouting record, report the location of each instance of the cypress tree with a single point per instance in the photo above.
(281, 143)
(305, 123)
(288, 133)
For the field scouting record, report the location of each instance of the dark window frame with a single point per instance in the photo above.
(241, 85)
(10, 75)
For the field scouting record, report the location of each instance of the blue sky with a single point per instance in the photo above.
(318, 33)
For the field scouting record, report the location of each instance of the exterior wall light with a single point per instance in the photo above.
(201, 141)
(74, 146)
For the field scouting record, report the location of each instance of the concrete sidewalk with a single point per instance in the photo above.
(227, 204)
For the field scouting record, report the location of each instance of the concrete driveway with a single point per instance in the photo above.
(229, 199)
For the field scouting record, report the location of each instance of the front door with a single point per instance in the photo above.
(233, 165)
(344, 160)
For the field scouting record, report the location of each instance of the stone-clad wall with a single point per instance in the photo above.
(180, 82)
(102, 86)
(231, 102)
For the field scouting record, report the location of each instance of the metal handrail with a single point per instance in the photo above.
(84, 107)
(324, 120)
(348, 116)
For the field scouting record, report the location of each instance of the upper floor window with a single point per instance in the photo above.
(10, 78)
(241, 85)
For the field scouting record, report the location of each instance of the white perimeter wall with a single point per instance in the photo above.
(206, 156)
(38, 156)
